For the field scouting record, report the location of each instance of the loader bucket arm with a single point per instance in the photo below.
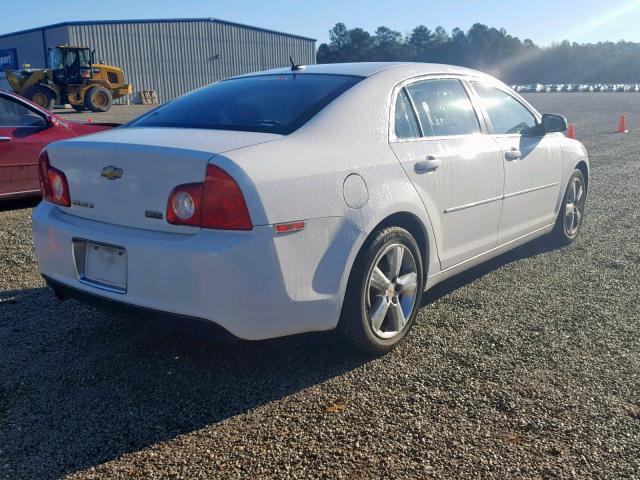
(13, 80)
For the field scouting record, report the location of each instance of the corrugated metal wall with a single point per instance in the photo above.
(32, 46)
(29, 48)
(176, 57)
(55, 37)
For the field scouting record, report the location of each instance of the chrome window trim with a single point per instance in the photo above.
(433, 76)
(414, 110)
(475, 100)
(438, 138)
(509, 92)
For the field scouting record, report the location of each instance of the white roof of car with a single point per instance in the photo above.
(366, 69)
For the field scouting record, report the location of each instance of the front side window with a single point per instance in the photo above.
(55, 59)
(265, 103)
(76, 59)
(406, 123)
(84, 58)
(507, 115)
(444, 108)
(12, 114)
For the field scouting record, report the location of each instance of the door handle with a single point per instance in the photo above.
(5, 139)
(513, 154)
(429, 164)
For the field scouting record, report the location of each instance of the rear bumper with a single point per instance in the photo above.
(121, 92)
(193, 325)
(255, 284)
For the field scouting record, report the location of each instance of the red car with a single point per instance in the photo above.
(25, 129)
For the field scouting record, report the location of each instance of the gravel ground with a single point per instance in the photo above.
(117, 114)
(525, 367)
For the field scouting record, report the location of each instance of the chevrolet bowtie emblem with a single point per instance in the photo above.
(111, 172)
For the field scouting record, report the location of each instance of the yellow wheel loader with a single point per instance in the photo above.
(73, 78)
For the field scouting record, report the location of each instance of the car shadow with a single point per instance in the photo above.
(531, 249)
(79, 387)
(19, 203)
(68, 111)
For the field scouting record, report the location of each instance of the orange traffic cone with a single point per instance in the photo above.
(571, 131)
(622, 125)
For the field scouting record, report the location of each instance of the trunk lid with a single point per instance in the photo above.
(124, 176)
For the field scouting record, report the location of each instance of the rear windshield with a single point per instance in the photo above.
(266, 103)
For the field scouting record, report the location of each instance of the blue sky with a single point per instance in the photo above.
(544, 21)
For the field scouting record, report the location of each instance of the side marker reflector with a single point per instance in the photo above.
(290, 227)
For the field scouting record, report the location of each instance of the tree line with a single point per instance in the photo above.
(491, 50)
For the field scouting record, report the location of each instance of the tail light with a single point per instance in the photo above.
(185, 205)
(53, 183)
(216, 203)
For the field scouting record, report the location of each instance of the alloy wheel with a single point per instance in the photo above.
(391, 291)
(574, 207)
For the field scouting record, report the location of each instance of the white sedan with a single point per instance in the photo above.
(306, 199)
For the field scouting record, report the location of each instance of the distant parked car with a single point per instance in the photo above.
(25, 129)
(306, 199)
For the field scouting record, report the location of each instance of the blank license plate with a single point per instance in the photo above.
(106, 265)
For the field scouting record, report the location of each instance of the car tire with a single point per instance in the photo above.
(98, 99)
(572, 212)
(42, 96)
(378, 311)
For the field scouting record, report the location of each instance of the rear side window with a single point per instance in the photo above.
(13, 114)
(507, 115)
(266, 103)
(444, 107)
(406, 123)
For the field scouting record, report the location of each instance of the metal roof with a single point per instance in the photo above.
(366, 69)
(161, 20)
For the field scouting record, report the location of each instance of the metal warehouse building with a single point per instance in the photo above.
(170, 56)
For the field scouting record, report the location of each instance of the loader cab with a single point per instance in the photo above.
(70, 65)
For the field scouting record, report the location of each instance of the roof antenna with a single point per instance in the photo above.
(295, 67)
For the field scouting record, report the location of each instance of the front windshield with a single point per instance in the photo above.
(55, 59)
(265, 103)
(77, 59)
(84, 58)
(71, 59)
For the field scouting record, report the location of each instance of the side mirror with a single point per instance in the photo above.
(553, 123)
(52, 121)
